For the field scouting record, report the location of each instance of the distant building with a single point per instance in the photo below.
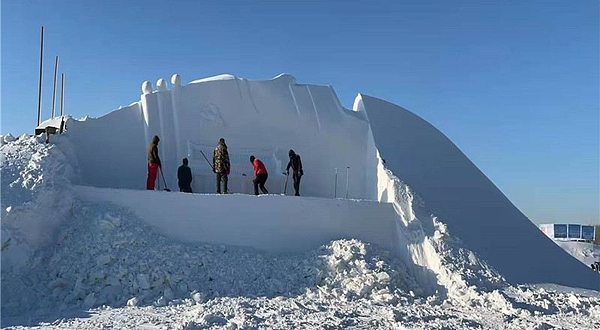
(572, 232)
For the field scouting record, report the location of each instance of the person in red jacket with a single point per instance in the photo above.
(260, 175)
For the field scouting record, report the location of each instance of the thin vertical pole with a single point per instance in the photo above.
(347, 176)
(54, 88)
(335, 185)
(41, 76)
(62, 93)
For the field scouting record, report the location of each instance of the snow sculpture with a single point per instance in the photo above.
(176, 80)
(161, 84)
(146, 87)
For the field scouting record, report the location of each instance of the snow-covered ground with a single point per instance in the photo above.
(78, 258)
(587, 253)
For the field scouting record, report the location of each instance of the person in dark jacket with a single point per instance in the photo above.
(221, 165)
(260, 175)
(153, 163)
(184, 175)
(296, 165)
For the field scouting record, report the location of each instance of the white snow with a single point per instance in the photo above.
(262, 222)
(146, 87)
(461, 197)
(54, 122)
(214, 78)
(161, 85)
(587, 253)
(417, 247)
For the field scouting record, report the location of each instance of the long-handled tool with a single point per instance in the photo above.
(164, 181)
(209, 164)
(285, 185)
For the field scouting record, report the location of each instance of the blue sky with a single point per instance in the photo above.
(515, 84)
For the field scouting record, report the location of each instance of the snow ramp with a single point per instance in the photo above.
(271, 223)
(463, 198)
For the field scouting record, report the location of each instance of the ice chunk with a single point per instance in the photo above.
(132, 302)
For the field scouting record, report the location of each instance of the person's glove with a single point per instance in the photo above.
(301, 172)
(228, 171)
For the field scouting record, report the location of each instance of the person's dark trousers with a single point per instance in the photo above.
(222, 176)
(186, 189)
(297, 177)
(260, 181)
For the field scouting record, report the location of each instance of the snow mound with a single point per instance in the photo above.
(36, 196)
(104, 255)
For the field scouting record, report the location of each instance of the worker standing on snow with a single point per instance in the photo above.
(184, 175)
(260, 175)
(296, 165)
(153, 163)
(221, 165)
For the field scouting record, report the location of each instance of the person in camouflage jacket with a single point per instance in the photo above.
(221, 165)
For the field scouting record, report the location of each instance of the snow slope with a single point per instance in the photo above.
(463, 198)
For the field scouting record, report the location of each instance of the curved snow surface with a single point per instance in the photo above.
(464, 199)
(69, 262)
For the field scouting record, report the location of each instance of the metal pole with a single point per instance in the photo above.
(54, 88)
(41, 76)
(62, 93)
(347, 170)
(335, 185)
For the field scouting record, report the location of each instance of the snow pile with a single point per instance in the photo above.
(447, 266)
(104, 255)
(36, 195)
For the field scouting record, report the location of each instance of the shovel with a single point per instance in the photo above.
(164, 181)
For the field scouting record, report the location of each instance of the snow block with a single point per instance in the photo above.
(253, 116)
(474, 209)
(272, 223)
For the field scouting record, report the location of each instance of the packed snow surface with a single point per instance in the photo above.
(76, 257)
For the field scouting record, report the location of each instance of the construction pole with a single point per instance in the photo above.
(335, 185)
(62, 93)
(41, 76)
(54, 88)
(347, 176)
